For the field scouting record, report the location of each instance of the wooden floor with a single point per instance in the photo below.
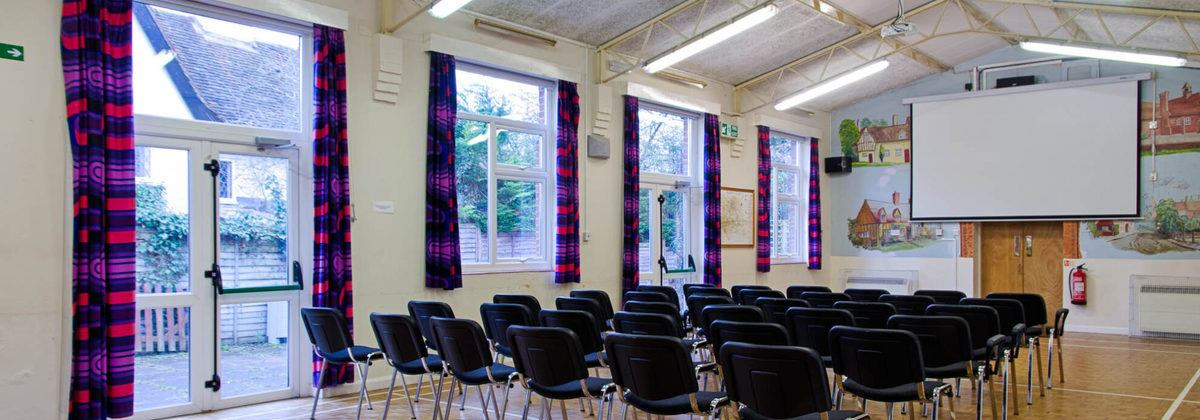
(1108, 377)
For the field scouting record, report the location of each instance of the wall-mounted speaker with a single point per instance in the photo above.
(838, 165)
(597, 146)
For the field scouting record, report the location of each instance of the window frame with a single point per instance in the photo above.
(800, 144)
(545, 174)
(692, 185)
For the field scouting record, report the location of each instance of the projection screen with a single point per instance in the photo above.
(1057, 151)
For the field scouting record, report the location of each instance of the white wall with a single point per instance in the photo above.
(1107, 308)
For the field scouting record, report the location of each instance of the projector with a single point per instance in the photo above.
(898, 28)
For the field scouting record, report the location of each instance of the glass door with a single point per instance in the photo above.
(666, 249)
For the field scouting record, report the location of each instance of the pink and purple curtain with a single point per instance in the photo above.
(332, 279)
(814, 204)
(566, 255)
(97, 69)
(443, 264)
(629, 242)
(712, 200)
(763, 247)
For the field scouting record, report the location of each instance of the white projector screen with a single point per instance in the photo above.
(1034, 152)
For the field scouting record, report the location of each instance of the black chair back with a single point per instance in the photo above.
(579, 322)
(865, 295)
(736, 290)
(497, 317)
(809, 327)
(527, 301)
(794, 292)
(775, 309)
(647, 297)
(646, 323)
(765, 333)
(1060, 321)
(945, 340)
(601, 297)
(461, 344)
(666, 290)
(326, 330)
(824, 299)
(399, 338)
(582, 304)
(711, 291)
(663, 308)
(423, 311)
(698, 302)
(729, 313)
(868, 314)
(749, 296)
(690, 287)
(947, 297)
(651, 367)
(877, 358)
(983, 321)
(776, 382)
(1033, 303)
(1011, 312)
(547, 356)
(909, 304)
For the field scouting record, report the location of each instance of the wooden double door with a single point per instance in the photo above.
(1023, 257)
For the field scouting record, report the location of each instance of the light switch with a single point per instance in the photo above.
(386, 207)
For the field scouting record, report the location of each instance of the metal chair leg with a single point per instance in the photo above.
(1029, 371)
(979, 394)
(420, 378)
(1037, 344)
(562, 404)
(483, 404)
(412, 408)
(1012, 367)
(387, 403)
(507, 388)
(362, 390)
(450, 398)
(528, 399)
(889, 410)
(1062, 367)
(957, 387)
(437, 395)
(937, 403)
(317, 395)
(1004, 385)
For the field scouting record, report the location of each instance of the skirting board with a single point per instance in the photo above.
(1096, 329)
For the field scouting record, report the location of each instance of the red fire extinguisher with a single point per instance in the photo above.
(1079, 285)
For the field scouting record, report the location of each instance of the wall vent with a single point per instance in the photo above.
(896, 282)
(1164, 306)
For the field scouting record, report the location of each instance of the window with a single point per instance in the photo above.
(669, 197)
(789, 206)
(503, 168)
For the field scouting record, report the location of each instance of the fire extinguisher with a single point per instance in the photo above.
(1079, 285)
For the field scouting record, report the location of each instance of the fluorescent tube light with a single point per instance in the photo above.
(832, 84)
(1104, 54)
(713, 37)
(444, 8)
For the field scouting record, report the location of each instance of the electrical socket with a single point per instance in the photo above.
(587, 236)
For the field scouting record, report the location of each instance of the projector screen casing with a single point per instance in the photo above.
(1061, 151)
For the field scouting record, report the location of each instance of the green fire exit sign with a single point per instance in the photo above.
(12, 52)
(729, 130)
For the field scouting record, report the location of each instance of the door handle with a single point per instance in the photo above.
(1016, 245)
(1028, 245)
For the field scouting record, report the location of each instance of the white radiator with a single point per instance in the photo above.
(1164, 306)
(896, 282)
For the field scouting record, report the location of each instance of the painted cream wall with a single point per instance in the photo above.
(1108, 308)
(33, 250)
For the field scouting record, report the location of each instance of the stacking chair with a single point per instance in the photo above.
(550, 362)
(712, 291)
(584, 326)
(590, 306)
(423, 311)
(809, 327)
(861, 355)
(778, 382)
(655, 374)
(1035, 325)
(689, 287)
(749, 296)
(713, 313)
(634, 295)
(868, 314)
(988, 349)
(464, 350)
(400, 339)
(601, 297)
(764, 333)
(909, 304)
(775, 309)
(865, 295)
(332, 342)
(1056, 333)
(794, 292)
(824, 299)
(736, 291)
(645, 323)
(946, 347)
(948, 297)
(666, 290)
(497, 317)
(663, 308)
(527, 301)
(698, 302)
(1012, 323)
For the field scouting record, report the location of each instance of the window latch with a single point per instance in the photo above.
(213, 167)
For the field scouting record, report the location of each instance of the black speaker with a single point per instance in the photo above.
(838, 165)
(1014, 81)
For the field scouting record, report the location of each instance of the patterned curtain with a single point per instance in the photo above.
(97, 65)
(443, 265)
(331, 188)
(566, 256)
(763, 247)
(814, 204)
(629, 244)
(712, 200)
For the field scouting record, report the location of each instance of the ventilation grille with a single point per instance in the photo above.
(1164, 306)
(898, 282)
(1178, 290)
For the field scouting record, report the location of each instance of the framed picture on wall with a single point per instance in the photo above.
(737, 217)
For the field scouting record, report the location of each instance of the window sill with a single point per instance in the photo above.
(469, 270)
(790, 261)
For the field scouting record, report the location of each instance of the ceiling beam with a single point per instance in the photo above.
(647, 24)
(1106, 8)
(846, 18)
(1068, 22)
(988, 22)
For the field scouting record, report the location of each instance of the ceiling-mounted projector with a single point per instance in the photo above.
(898, 28)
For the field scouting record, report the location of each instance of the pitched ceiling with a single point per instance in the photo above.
(812, 40)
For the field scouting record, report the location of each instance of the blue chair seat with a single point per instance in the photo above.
(593, 359)
(414, 367)
(360, 353)
(479, 376)
(677, 405)
(571, 390)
